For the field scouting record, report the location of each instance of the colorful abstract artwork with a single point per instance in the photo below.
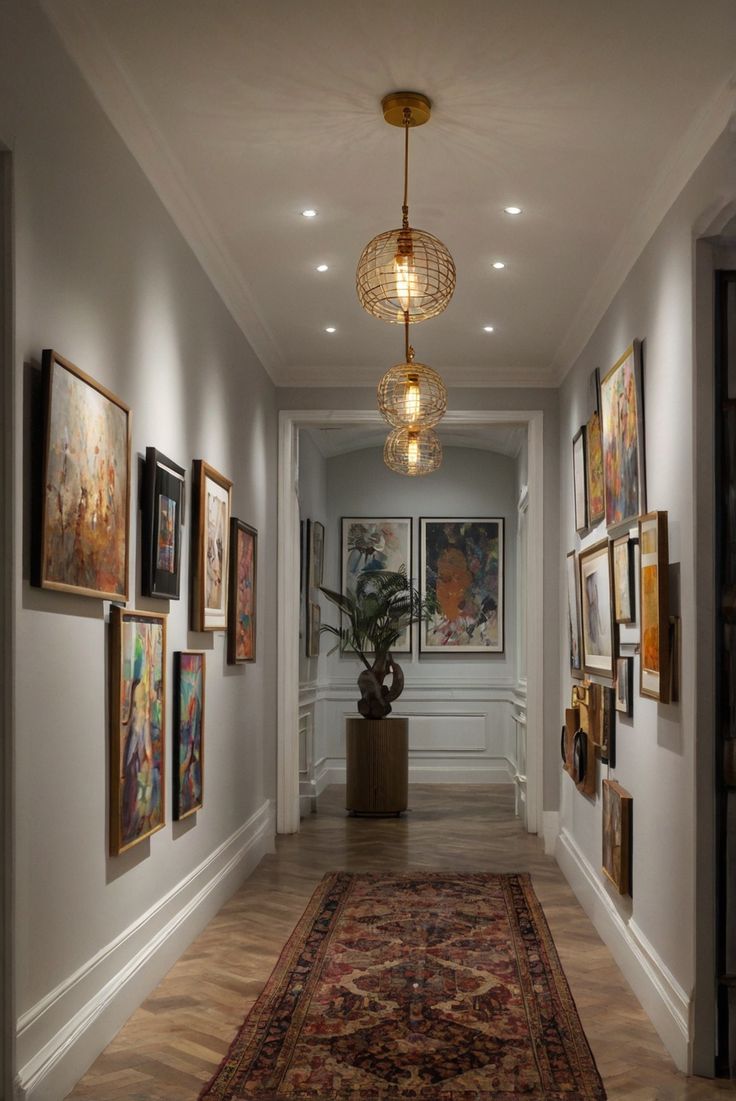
(622, 430)
(163, 516)
(241, 636)
(211, 536)
(86, 485)
(594, 470)
(189, 678)
(462, 576)
(597, 610)
(617, 806)
(573, 615)
(655, 665)
(374, 544)
(138, 688)
(165, 534)
(579, 482)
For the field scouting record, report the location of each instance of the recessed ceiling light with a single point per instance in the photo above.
(330, 329)
(322, 267)
(488, 328)
(508, 210)
(309, 213)
(498, 264)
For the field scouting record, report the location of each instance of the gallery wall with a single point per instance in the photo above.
(103, 276)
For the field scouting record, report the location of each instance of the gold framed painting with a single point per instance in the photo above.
(597, 610)
(241, 634)
(622, 432)
(594, 470)
(210, 548)
(617, 806)
(654, 666)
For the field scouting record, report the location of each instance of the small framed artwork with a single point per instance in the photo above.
(594, 470)
(163, 516)
(211, 493)
(573, 616)
(137, 726)
(579, 482)
(617, 807)
(85, 497)
(622, 431)
(625, 686)
(597, 610)
(654, 668)
(622, 566)
(189, 682)
(373, 544)
(608, 726)
(241, 634)
(462, 575)
(314, 622)
(316, 553)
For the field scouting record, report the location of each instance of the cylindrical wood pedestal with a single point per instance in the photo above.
(377, 766)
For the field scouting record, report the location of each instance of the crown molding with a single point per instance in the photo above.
(455, 377)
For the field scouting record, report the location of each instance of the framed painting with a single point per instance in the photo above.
(374, 544)
(654, 667)
(210, 548)
(622, 431)
(625, 685)
(462, 575)
(617, 805)
(579, 482)
(314, 622)
(597, 610)
(163, 517)
(137, 726)
(316, 553)
(573, 616)
(594, 470)
(624, 585)
(85, 497)
(241, 633)
(189, 678)
(608, 726)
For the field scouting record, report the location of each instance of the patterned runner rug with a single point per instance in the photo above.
(432, 986)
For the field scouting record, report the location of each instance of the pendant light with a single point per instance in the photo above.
(411, 394)
(412, 451)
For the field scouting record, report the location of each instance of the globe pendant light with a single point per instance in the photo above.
(405, 275)
(412, 451)
(411, 394)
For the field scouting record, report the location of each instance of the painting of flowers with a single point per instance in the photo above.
(241, 637)
(622, 431)
(462, 577)
(211, 547)
(189, 674)
(376, 543)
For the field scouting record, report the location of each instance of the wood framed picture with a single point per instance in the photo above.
(580, 482)
(241, 634)
(597, 610)
(85, 497)
(211, 493)
(622, 431)
(188, 747)
(625, 685)
(373, 544)
(573, 616)
(316, 553)
(655, 666)
(137, 726)
(608, 726)
(617, 806)
(314, 622)
(163, 517)
(594, 471)
(624, 585)
(462, 574)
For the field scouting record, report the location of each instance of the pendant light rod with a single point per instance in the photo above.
(405, 207)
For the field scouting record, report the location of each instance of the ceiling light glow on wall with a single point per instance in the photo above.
(512, 210)
(413, 452)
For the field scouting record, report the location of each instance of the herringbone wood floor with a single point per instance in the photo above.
(175, 1041)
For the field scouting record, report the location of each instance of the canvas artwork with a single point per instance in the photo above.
(189, 677)
(579, 482)
(163, 516)
(617, 806)
(86, 485)
(594, 470)
(314, 621)
(622, 430)
(462, 573)
(374, 544)
(138, 694)
(210, 548)
(622, 561)
(624, 685)
(573, 615)
(654, 669)
(597, 610)
(316, 543)
(241, 638)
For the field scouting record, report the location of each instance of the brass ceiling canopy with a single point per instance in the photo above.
(395, 104)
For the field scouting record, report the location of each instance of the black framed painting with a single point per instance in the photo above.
(163, 517)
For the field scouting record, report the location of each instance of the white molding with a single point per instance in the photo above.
(551, 828)
(662, 997)
(288, 605)
(63, 1032)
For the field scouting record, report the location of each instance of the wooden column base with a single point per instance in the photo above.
(377, 766)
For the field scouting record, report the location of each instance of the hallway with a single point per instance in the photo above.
(173, 1044)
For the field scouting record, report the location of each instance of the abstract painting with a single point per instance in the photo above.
(163, 516)
(622, 562)
(624, 685)
(189, 676)
(86, 485)
(622, 430)
(210, 548)
(594, 470)
(617, 805)
(462, 575)
(241, 635)
(654, 669)
(579, 482)
(374, 544)
(573, 615)
(597, 610)
(138, 695)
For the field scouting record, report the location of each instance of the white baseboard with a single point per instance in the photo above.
(331, 770)
(661, 996)
(551, 829)
(60, 1036)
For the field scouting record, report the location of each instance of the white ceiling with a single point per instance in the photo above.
(505, 439)
(589, 114)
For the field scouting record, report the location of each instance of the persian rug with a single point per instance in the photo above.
(435, 986)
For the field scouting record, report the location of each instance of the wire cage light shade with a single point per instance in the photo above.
(413, 452)
(405, 275)
(412, 395)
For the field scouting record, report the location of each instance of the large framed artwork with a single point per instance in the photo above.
(573, 616)
(624, 586)
(622, 430)
(163, 517)
(617, 805)
(85, 498)
(241, 635)
(210, 548)
(188, 755)
(594, 471)
(462, 574)
(654, 666)
(597, 610)
(137, 726)
(375, 543)
(579, 482)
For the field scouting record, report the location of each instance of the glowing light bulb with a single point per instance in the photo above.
(406, 281)
(412, 451)
(412, 399)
